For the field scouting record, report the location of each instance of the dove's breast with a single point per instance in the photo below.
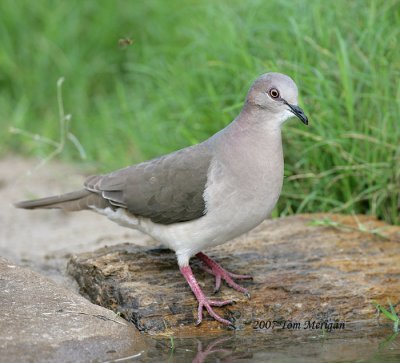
(240, 193)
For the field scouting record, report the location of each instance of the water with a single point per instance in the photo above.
(286, 346)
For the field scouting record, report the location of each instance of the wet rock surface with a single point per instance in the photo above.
(43, 322)
(306, 268)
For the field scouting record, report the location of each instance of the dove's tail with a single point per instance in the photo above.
(74, 201)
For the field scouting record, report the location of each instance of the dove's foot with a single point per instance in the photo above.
(204, 302)
(220, 273)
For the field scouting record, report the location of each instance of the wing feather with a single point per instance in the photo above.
(168, 189)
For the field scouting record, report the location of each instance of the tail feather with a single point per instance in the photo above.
(74, 201)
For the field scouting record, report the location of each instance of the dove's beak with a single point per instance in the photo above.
(298, 112)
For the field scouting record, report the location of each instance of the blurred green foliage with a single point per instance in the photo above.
(186, 74)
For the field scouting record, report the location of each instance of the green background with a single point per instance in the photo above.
(186, 74)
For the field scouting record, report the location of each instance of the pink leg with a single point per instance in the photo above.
(221, 273)
(202, 299)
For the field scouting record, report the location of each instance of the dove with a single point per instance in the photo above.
(203, 195)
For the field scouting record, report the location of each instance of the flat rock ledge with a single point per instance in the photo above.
(306, 268)
(43, 322)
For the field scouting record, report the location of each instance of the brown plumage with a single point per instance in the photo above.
(70, 202)
(168, 189)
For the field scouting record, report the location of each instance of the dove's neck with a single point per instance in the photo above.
(255, 126)
(260, 120)
(248, 158)
(252, 139)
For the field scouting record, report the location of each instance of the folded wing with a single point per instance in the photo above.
(167, 190)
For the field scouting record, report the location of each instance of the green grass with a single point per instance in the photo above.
(391, 315)
(328, 222)
(187, 72)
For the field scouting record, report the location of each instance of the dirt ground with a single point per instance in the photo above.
(44, 239)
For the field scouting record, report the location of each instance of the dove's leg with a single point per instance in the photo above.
(221, 273)
(204, 302)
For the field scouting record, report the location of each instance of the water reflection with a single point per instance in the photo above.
(214, 350)
(279, 346)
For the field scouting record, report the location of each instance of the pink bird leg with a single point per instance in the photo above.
(202, 299)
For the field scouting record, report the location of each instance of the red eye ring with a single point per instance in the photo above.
(274, 93)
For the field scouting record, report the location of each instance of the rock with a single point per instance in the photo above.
(43, 322)
(306, 268)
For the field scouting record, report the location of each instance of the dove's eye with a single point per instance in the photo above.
(274, 93)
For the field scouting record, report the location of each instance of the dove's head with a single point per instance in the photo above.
(276, 94)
